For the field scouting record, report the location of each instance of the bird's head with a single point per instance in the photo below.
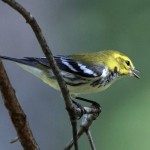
(122, 63)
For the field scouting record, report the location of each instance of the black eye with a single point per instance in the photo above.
(128, 62)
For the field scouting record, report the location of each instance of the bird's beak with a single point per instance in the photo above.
(135, 73)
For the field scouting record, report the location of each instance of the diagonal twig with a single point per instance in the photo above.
(86, 123)
(38, 33)
(89, 135)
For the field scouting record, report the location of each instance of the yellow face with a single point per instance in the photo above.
(125, 65)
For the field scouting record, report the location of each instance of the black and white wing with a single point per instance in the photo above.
(78, 67)
(69, 65)
(66, 64)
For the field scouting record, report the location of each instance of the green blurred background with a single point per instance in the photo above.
(72, 27)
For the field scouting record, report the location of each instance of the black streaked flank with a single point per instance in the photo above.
(104, 81)
(75, 84)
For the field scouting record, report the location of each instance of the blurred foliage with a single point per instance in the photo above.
(73, 27)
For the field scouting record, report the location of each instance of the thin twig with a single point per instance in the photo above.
(87, 120)
(38, 33)
(14, 140)
(89, 135)
(16, 113)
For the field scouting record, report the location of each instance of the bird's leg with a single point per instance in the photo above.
(81, 108)
(95, 104)
(83, 111)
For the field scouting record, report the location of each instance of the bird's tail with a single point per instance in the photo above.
(24, 61)
(35, 67)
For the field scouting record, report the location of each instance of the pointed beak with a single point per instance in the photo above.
(135, 73)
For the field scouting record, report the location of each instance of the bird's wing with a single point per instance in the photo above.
(78, 67)
(68, 64)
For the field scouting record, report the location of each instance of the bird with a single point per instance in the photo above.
(83, 73)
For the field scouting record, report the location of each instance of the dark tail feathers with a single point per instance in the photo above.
(24, 61)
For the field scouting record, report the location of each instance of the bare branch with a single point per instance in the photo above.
(89, 135)
(16, 113)
(38, 33)
(86, 123)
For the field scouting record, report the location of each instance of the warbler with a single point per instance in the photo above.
(83, 73)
